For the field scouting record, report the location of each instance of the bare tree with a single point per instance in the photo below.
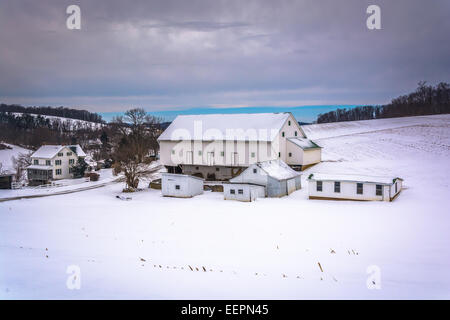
(136, 139)
(20, 163)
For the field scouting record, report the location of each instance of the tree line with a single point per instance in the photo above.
(52, 111)
(425, 100)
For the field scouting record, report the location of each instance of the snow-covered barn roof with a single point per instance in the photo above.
(278, 169)
(353, 178)
(304, 143)
(49, 151)
(240, 126)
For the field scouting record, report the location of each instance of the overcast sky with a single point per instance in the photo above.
(165, 55)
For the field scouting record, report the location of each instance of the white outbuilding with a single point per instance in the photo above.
(353, 187)
(180, 185)
(277, 178)
(246, 192)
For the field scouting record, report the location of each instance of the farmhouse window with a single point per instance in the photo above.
(319, 186)
(48, 162)
(378, 189)
(58, 172)
(241, 191)
(232, 191)
(337, 187)
(58, 162)
(177, 187)
(71, 161)
(35, 161)
(69, 154)
(60, 154)
(359, 188)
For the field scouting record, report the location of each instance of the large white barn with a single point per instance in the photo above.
(353, 187)
(220, 146)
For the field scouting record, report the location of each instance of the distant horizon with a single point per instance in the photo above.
(307, 113)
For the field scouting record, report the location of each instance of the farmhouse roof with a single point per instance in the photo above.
(239, 126)
(49, 151)
(353, 178)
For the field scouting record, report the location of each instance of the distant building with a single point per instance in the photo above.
(275, 176)
(353, 187)
(53, 162)
(220, 146)
(180, 185)
(6, 179)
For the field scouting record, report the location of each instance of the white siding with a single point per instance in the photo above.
(249, 192)
(64, 166)
(179, 185)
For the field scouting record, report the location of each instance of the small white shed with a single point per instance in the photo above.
(180, 185)
(353, 187)
(243, 191)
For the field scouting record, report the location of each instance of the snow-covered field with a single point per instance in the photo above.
(151, 247)
(7, 154)
(71, 123)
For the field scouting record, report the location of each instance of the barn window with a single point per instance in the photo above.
(253, 154)
(282, 134)
(255, 171)
(232, 191)
(337, 187)
(222, 153)
(177, 187)
(359, 188)
(199, 153)
(378, 190)
(279, 154)
(217, 169)
(290, 154)
(289, 122)
(319, 186)
(173, 151)
(295, 133)
(241, 191)
(196, 168)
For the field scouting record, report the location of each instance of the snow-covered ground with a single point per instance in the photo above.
(147, 247)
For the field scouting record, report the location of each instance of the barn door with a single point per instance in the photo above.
(290, 186)
(210, 158)
(235, 158)
(189, 157)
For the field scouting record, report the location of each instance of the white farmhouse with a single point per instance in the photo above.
(220, 146)
(53, 162)
(353, 187)
(180, 185)
(275, 176)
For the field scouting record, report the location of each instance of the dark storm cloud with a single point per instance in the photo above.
(166, 54)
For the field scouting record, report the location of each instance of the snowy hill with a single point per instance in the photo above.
(71, 123)
(291, 247)
(7, 154)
